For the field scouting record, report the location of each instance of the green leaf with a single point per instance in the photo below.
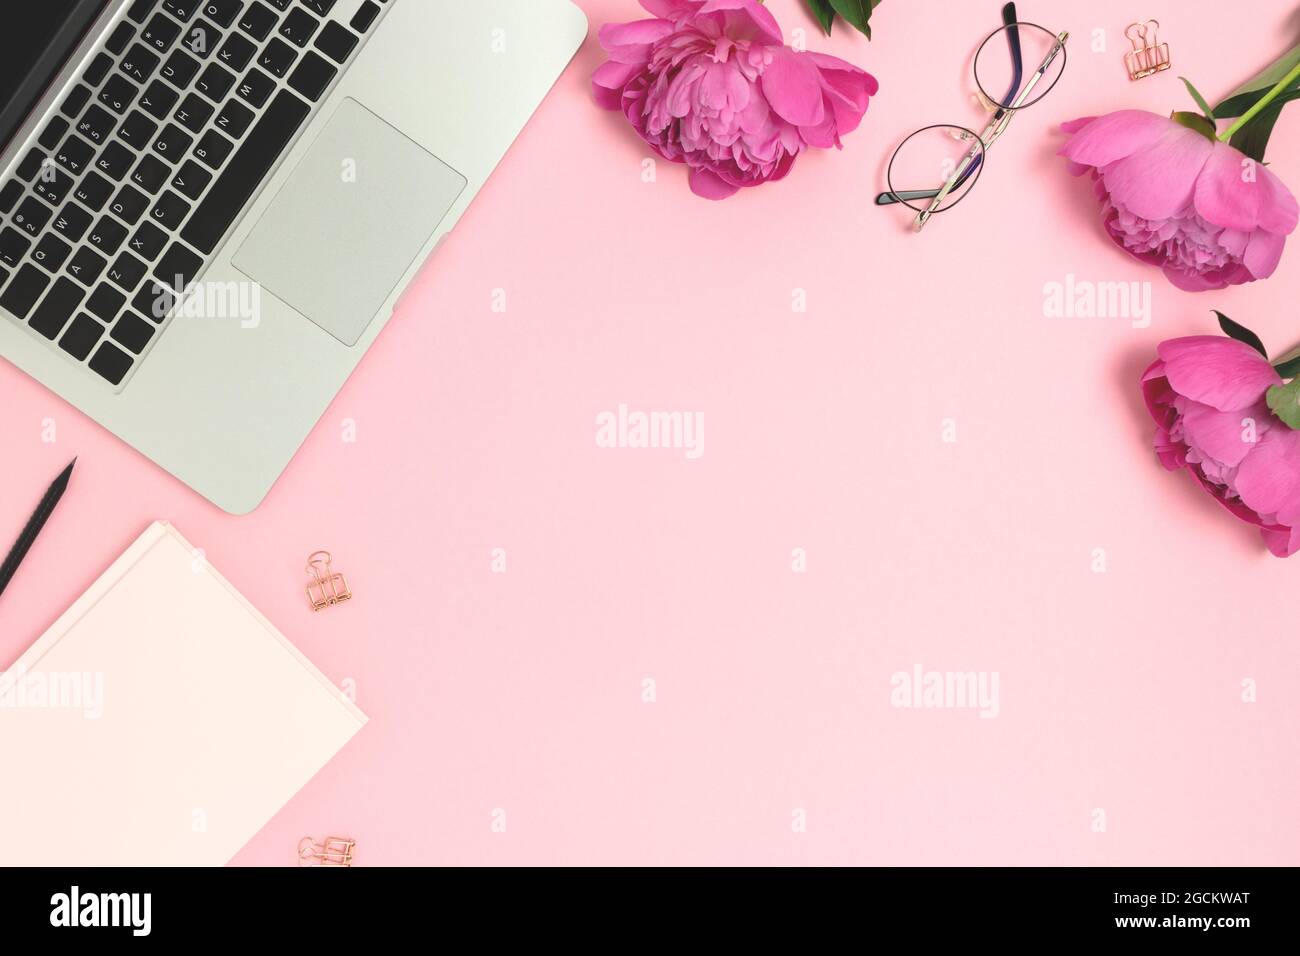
(1250, 92)
(856, 12)
(1200, 100)
(1235, 330)
(1284, 400)
(1197, 122)
(1252, 139)
(824, 12)
(1288, 369)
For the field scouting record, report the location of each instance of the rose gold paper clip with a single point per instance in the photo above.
(326, 588)
(1148, 55)
(334, 851)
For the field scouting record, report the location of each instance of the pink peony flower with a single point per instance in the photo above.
(709, 83)
(1206, 393)
(1172, 197)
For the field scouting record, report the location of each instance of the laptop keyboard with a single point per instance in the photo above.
(137, 176)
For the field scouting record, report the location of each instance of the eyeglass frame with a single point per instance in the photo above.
(997, 125)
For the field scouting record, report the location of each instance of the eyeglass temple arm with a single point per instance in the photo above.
(1017, 59)
(890, 198)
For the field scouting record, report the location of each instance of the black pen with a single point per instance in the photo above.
(34, 526)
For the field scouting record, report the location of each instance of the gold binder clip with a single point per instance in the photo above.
(1148, 55)
(334, 851)
(326, 588)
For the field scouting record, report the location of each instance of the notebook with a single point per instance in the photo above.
(162, 721)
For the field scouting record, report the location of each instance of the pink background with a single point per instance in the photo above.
(476, 430)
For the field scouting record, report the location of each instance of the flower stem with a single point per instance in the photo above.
(1259, 107)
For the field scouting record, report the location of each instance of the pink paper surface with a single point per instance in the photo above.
(516, 698)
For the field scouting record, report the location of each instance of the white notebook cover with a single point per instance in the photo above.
(207, 720)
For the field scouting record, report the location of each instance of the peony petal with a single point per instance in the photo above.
(1268, 481)
(1101, 141)
(1263, 253)
(1158, 182)
(1223, 435)
(708, 184)
(1283, 542)
(608, 81)
(746, 19)
(1217, 371)
(793, 87)
(632, 42)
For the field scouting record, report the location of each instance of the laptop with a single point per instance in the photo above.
(209, 208)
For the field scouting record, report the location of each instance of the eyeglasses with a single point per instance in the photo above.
(957, 154)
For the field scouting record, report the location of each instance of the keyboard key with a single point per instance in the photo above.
(93, 191)
(97, 125)
(277, 57)
(173, 143)
(129, 205)
(181, 9)
(158, 100)
(51, 252)
(365, 16)
(151, 173)
(235, 118)
(31, 165)
(154, 301)
(10, 193)
(148, 241)
(137, 130)
(320, 6)
(53, 185)
(107, 236)
(161, 32)
(194, 113)
(81, 337)
(139, 63)
(75, 155)
(245, 172)
(115, 161)
(213, 149)
(120, 37)
(53, 134)
(111, 363)
(336, 42)
(222, 11)
(127, 271)
(202, 39)
(256, 88)
(169, 211)
(13, 246)
(86, 266)
(178, 268)
(298, 27)
(192, 179)
(180, 68)
(23, 291)
(72, 222)
(313, 76)
(280, 4)
(105, 303)
(75, 102)
(98, 69)
(141, 9)
(258, 21)
(118, 94)
(32, 216)
(56, 311)
(133, 332)
(237, 52)
(215, 82)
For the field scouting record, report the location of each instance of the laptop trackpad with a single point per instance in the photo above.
(349, 222)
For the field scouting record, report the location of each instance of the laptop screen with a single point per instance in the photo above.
(36, 40)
